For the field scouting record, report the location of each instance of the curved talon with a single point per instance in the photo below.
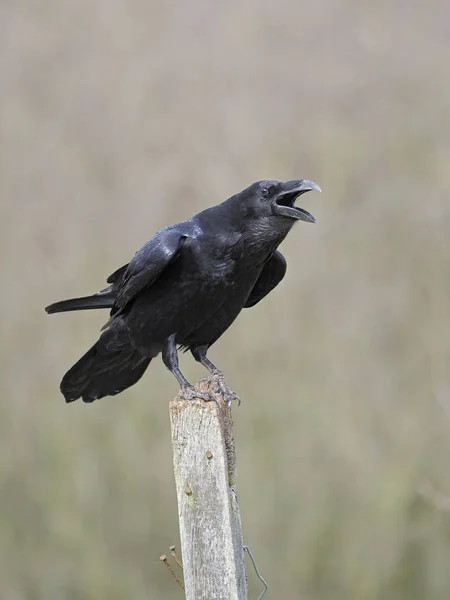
(229, 396)
(223, 389)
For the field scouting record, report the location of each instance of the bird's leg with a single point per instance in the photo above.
(170, 359)
(199, 353)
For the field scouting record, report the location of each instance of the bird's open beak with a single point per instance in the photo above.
(283, 203)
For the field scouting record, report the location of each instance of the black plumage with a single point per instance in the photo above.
(185, 287)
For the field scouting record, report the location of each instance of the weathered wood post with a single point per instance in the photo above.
(205, 476)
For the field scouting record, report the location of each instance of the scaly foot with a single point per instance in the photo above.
(190, 393)
(223, 389)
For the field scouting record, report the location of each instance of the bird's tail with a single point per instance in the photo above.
(108, 368)
(100, 300)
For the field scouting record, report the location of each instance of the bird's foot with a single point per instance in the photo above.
(223, 389)
(189, 392)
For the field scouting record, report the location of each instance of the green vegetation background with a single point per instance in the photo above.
(117, 118)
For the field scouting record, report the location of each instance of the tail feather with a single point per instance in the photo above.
(100, 300)
(108, 368)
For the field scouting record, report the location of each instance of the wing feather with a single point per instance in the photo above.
(146, 266)
(273, 272)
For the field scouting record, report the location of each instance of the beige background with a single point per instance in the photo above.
(117, 118)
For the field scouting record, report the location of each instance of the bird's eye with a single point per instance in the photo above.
(265, 192)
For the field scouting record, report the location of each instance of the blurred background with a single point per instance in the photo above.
(117, 118)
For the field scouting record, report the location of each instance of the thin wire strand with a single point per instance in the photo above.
(260, 577)
(175, 557)
(163, 559)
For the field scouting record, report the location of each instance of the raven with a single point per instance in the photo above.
(184, 288)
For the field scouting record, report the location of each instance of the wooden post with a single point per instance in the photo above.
(205, 476)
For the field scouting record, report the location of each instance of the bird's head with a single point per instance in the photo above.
(277, 199)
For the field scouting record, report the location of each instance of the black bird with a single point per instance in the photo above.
(184, 288)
